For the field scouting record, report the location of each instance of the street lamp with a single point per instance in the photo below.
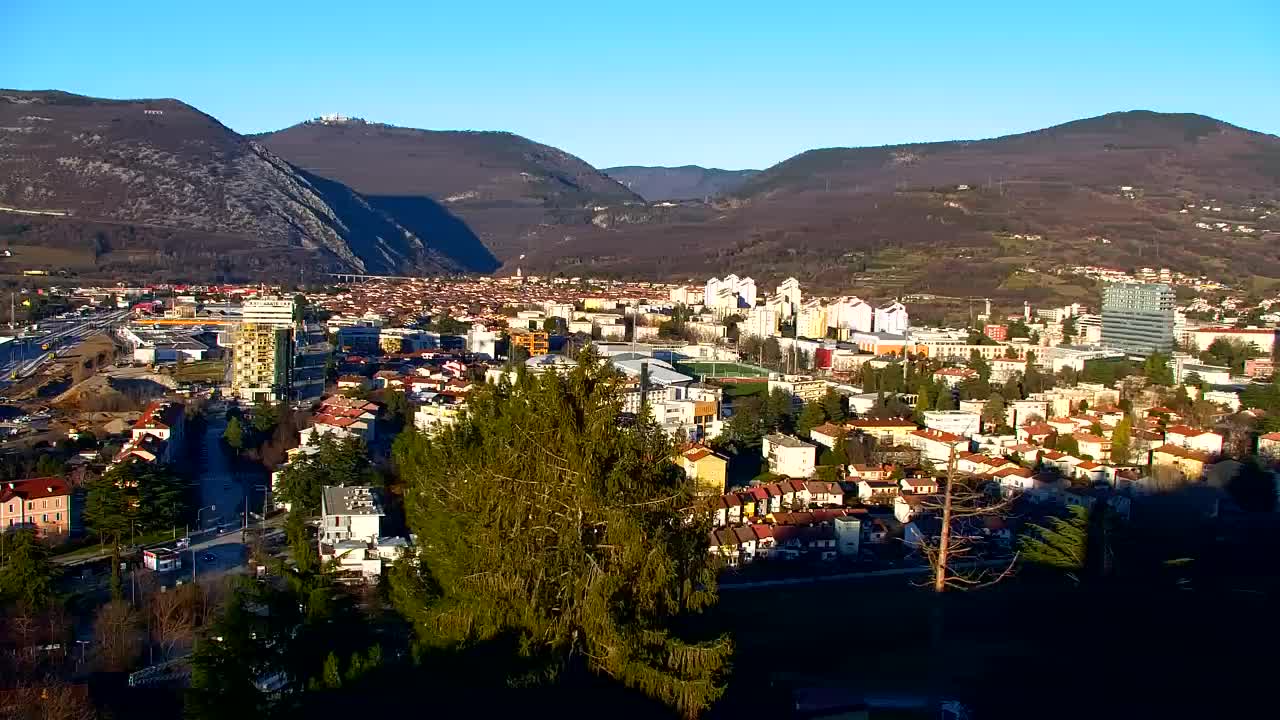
(192, 545)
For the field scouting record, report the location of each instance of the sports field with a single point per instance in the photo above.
(707, 369)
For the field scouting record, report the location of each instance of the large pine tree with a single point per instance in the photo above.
(546, 516)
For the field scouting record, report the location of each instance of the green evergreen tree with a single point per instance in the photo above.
(924, 399)
(109, 513)
(543, 518)
(943, 398)
(1061, 544)
(993, 411)
(28, 578)
(810, 417)
(833, 405)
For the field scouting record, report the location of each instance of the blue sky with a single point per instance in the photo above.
(726, 84)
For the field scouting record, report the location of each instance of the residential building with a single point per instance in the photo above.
(42, 504)
(935, 445)
(800, 387)
(1259, 367)
(850, 314)
(352, 512)
(828, 434)
(705, 468)
(1098, 448)
(1138, 318)
(1262, 339)
(878, 492)
(432, 418)
(788, 292)
(261, 362)
(1203, 441)
(848, 529)
(789, 456)
(275, 312)
(811, 320)
(887, 432)
(727, 295)
(1190, 462)
(482, 341)
(999, 333)
(892, 319)
(761, 321)
(534, 343)
(956, 422)
(166, 421)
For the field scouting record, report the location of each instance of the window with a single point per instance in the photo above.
(58, 517)
(44, 518)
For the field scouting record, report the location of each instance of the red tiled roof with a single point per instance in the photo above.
(34, 488)
(1186, 431)
(938, 435)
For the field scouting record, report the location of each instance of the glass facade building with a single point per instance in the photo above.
(1138, 318)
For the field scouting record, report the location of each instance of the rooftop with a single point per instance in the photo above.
(786, 441)
(351, 500)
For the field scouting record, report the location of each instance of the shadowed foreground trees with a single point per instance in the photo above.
(544, 520)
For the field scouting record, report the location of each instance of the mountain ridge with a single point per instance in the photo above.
(960, 216)
(685, 182)
(151, 164)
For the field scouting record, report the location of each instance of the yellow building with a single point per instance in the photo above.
(811, 320)
(705, 468)
(261, 358)
(1190, 462)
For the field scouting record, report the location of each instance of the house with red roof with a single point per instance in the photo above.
(1191, 438)
(43, 504)
(936, 445)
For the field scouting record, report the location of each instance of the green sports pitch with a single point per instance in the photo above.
(721, 369)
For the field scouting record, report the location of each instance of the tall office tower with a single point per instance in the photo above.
(1138, 318)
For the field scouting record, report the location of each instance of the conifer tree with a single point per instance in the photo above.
(543, 517)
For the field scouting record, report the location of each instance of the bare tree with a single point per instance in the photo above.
(172, 615)
(965, 500)
(117, 637)
(49, 699)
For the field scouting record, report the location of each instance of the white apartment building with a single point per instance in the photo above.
(893, 319)
(481, 340)
(350, 513)
(274, 311)
(789, 456)
(956, 422)
(850, 313)
(761, 321)
(788, 296)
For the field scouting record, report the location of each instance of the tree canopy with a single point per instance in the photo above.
(1060, 543)
(544, 517)
(27, 575)
(336, 462)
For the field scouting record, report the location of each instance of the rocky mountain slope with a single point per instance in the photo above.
(501, 186)
(679, 183)
(157, 184)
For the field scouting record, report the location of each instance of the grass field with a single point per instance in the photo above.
(201, 371)
(722, 369)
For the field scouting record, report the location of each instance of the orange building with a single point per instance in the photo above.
(534, 342)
